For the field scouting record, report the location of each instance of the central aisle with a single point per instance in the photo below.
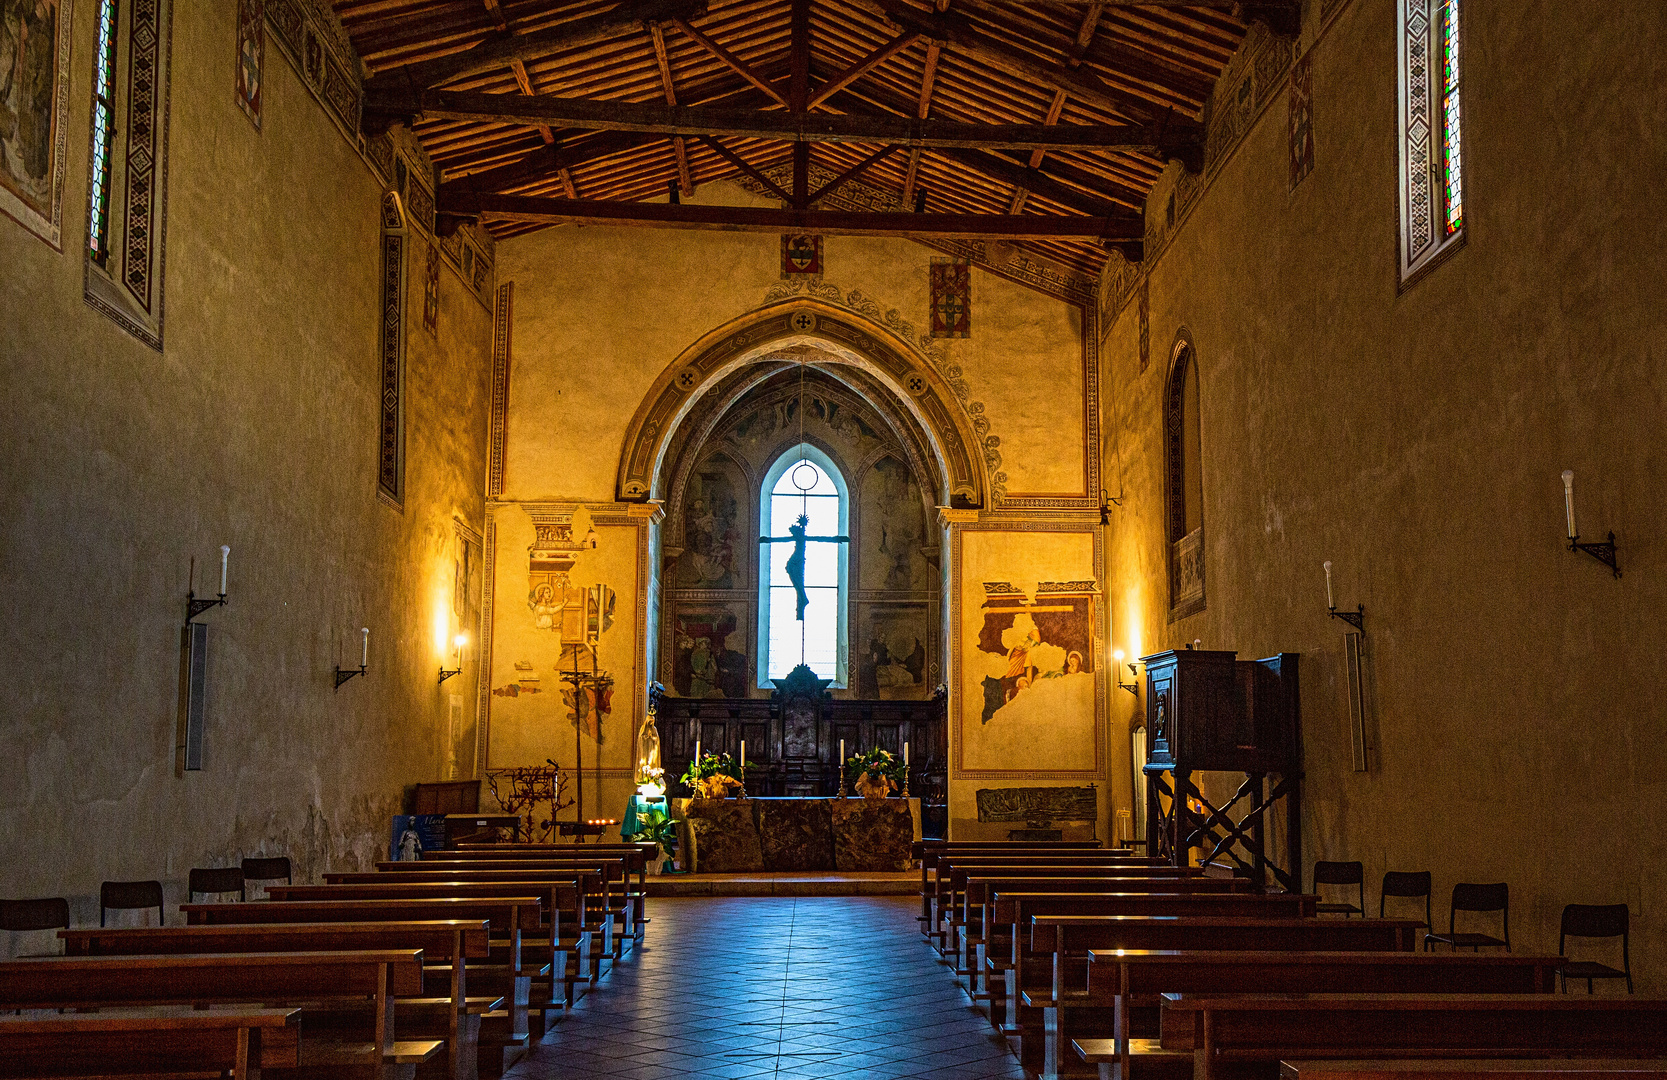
(756, 987)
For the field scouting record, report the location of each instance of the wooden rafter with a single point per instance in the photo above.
(730, 60)
(798, 95)
(500, 48)
(546, 161)
(685, 180)
(795, 127)
(1085, 35)
(863, 67)
(740, 163)
(852, 173)
(928, 77)
(757, 219)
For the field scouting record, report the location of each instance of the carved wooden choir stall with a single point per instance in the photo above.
(1208, 711)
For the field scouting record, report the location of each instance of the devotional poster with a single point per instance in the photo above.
(34, 94)
(1028, 652)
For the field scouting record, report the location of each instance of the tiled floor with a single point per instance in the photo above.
(767, 986)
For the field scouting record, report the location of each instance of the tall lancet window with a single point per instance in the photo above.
(1432, 150)
(805, 558)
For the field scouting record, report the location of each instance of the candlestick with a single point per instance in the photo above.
(225, 554)
(1329, 601)
(1568, 500)
(364, 649)
(743, 753)
(697, 751)
(905, 753)
(842, 751)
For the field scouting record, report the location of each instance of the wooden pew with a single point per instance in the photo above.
(232, 1043)
(356, 1046)
(926, 852)
(450, 1013)
(1053, 936)
(932, 863)
(623, 899)
(1248, 1035)
(1120, 980)
(509, 917)
(1482, 1069)
(950, 877)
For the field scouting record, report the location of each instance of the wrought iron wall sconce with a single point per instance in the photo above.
(1603, 550)
(1355, 618)
(446, 673)
(194, 606)
(1134, 687)
(344, 674)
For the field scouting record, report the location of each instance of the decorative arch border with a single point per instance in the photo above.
(966, 455)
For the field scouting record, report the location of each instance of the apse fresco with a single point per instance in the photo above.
(709, 658)
(893, 530)
(713, 522)
(892, 653)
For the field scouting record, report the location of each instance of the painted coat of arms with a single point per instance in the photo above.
(801, 255)
(951, 281)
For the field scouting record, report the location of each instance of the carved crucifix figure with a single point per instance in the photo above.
(796, 561)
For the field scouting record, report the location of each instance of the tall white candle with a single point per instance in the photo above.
(364, 651)
(1329, 602)
(697, 750)
(842, 751)
(1568, 500)
(905, 753)
(743, 753)
(226, 553)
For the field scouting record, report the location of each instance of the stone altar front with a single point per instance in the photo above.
(739, 836)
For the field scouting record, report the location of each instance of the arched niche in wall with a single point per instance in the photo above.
(1183, 480)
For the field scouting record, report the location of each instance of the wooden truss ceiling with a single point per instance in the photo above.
(1045, 121)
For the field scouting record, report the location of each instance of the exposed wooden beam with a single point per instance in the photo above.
(497, 12)
(525, 82)
(757, 219)
(911, 173)
(923, 105)
(736, 160)
(500, 48)
(1282, 16)
(685, 181)
(1008, 171)
(730, 59)
(566, 178)
(798, 53)
(1057, 107)
(959, 33)
(1085, 35)
(863, 67)
(795, 127)
(852, 173)
(544, 162)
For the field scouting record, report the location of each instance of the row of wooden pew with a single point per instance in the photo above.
(1090, 959)
(445, 967)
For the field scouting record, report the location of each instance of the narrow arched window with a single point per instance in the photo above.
(1431, 143)
(1184, 460)
(804, 557)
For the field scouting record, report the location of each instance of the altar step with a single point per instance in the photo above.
(904, 883)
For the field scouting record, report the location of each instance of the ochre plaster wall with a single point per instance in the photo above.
(601, 313)
(256, 427)
(1415, 440)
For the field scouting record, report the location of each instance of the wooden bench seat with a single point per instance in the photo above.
(1124, 985)
(349, 996)
(231, 1043)
(1247, 1035)
(941, 895)
(448, 946)
(1477, 1069)
(618, 895)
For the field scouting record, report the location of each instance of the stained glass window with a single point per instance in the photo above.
(1431, 144)
(805, 493)
(104, 131)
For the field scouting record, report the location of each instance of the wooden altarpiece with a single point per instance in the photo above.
(793, 739)
(1208, 711)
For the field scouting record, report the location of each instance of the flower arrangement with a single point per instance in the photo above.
(877, 773)
(712, 776)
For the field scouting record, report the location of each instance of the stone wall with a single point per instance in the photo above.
(1415, 439)
(255, 427)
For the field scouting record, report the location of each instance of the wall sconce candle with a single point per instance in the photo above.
(459, 642)
(1356, 618)
(1603, 550)
(194, 606)
(1131, 687)
(364, 660)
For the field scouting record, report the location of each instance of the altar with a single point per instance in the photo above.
(763, 835)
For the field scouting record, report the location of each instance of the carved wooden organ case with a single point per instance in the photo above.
(1208, 711)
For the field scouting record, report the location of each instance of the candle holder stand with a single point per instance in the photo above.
(445, 674)
(1134, 687)
(195, 607)
(342, 675)
(1355, 618)
(842, 792)
(743, 779)
(1603, 551)
(905, 781)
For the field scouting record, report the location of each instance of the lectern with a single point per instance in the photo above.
(1208, 711)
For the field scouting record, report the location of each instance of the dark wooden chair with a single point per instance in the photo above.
(224, 879)
(20, 916)
(129, 896)
(1341, 873)
(1476, 898)
(267, 868)
(1410, 885)
(1595, 921)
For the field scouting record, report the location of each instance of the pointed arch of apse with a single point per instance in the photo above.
(882, 361)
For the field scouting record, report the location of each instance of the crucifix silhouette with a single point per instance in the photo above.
(796, 561)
